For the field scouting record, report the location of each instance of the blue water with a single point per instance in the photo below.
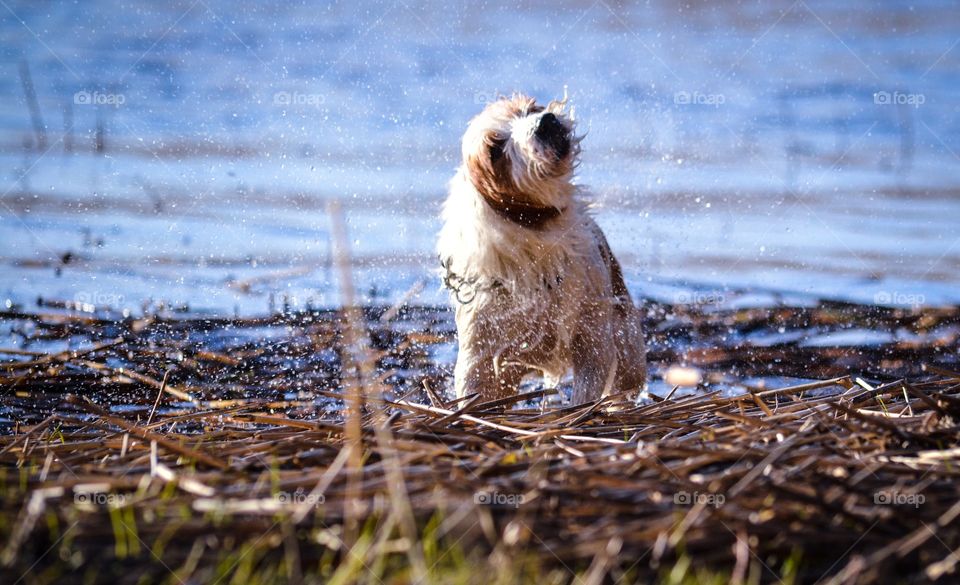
(736, 153)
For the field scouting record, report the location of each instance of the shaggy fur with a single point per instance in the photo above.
(536, 286)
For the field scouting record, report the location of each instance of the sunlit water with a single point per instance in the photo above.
(736, 153)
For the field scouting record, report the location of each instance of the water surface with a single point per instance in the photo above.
(741, 153)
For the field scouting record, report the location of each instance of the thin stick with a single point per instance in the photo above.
(471, 418)
(354, 365)
(357, 340)
(163, 384)
(30, 93)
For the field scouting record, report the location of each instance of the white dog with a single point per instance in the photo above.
(535, 284)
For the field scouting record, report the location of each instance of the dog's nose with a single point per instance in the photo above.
(553, 133)
(549, 127)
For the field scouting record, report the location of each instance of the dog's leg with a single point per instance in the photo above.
(632, 353)
(467, 376)
(478, 373)
(628, 333)
(477, 368)
(594, 355)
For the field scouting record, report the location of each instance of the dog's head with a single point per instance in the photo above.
(519, 152)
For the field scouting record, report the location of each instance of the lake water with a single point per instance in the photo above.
(738, 153)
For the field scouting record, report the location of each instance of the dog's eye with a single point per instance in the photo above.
(496, 150)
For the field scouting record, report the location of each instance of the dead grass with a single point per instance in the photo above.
(197, 450)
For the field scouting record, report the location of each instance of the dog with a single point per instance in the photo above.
(535, 285)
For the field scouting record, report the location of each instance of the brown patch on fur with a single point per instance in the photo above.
(531, 216)
(493, 181)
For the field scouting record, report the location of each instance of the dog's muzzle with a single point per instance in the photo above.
(551, 132)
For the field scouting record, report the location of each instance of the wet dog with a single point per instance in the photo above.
(535, 285)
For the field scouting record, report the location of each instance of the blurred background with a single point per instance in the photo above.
(183, 154)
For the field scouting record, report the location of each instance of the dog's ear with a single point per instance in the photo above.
(495, 149)
(484, 166)
(489, 170)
